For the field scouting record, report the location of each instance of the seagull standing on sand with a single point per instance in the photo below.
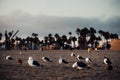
(88, 60)
(79, 57)
(72, 54)
(33, 63)
(20, 52)
(9, 58)
(80, 65)
(63, 61)
(46, 59)
(107, 61)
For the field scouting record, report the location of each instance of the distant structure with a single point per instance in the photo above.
(115, 44)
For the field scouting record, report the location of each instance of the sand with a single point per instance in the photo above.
(11, 70)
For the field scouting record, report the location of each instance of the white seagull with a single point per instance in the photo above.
(80, 65)
(33, 63)
(20, 52)
(107, 61)
(72, 54)
(88, 60)
(9, 58)
(46, 59)
(63, 61)
(79, 57)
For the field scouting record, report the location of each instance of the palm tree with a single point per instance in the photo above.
(64, 42)
(46, 40)
(58, 41)
(92, 39)
(78, 31)
(64, 38)
(70, 35)
(84, 33)
(74, 39)
(0, 36)
(10, 34)
(114, 36)
(51, 39)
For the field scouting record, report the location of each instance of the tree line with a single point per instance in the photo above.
(59, 42)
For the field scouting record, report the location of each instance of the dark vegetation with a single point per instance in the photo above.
(59, 42)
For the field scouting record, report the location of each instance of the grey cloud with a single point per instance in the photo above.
(44, 25)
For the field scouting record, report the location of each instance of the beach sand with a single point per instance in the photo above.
(11, 70)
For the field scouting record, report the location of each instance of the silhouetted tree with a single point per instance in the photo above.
(92, 39)
(64, 41)
(0, 36)
(78, 31)
(58, 41)
(51, 39)
(83, 33)
(114, 36)
(74, 39)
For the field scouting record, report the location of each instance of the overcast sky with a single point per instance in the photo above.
(59, 16)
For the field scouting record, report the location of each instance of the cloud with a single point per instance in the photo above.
(43, 25)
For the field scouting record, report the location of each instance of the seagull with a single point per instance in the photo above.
(72, 54)
(107, 61)
(19, 61)
(9, 58)
(79, 57)
(20, 52)
(80, 65)
(88, 60)
(46, 59)
(33, 63)
(61, 60)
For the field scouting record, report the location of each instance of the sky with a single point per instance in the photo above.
(58, 16)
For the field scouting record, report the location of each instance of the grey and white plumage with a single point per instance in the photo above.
(46, 59)
(33, 63)
(107, 61)
(63, 61)
(79, 57)
(72, 54)
(80, 65)
(88, 60)
(20, 52)
(9, 57)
